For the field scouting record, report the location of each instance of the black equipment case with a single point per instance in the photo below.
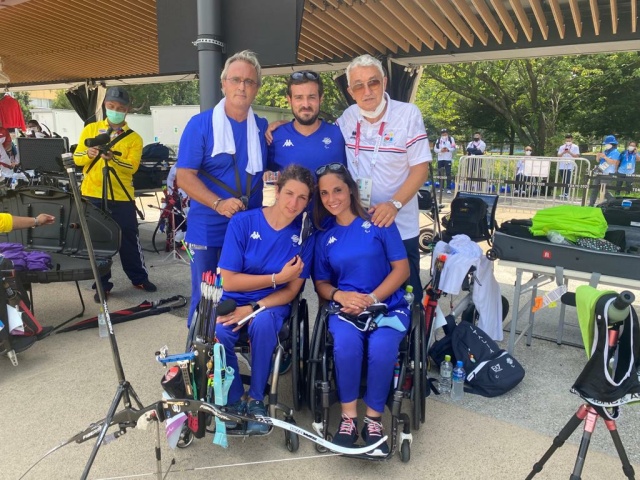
(622, 211)
(542, 252)
(157, 160)
(63, 240)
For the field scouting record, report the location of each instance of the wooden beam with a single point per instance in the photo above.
(417, 13)
(614, 15)
(557, 17)
(459, 24)
(410, 23)
(441, 21)
(358, 14)
(377, 15)
(575, 14)
(341, 22)
(332, 36)
(505, 18)
(522, 18)
(540, 18)
(488, 19)
(634, 16)
(472, 20)
(595, 16)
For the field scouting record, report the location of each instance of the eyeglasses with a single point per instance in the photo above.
(330, 167)
(246, 81)
(373, 84)
(308, 74)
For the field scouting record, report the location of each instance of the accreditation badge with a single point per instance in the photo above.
(364, 188)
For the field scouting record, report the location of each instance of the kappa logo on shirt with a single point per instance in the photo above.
(287, 143)
(295, 239)
(331, 240)
(367, 226)
(256, 236)
(326, 141)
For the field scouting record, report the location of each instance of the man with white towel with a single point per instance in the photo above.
(221, 158)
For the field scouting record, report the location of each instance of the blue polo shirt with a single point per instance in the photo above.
(252, 246)
(325, 145)
(196, 145)
(627, 163)
(612, 154)
(357, 258)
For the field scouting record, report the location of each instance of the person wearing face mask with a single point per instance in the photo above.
(477, 146)
(445, 147)
(627, 165)
(608, 162)
(123, 157)
(34, 130)
(520, 188)
(567, 150)
(388, 155)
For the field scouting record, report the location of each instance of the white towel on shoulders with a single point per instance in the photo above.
(223, 141)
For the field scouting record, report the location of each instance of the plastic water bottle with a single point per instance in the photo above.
(446, 371)
(408, 295)
(557, 237)
(103, 331)
(396, 374)
(457, 388)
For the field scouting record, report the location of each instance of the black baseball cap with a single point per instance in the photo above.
(444, 130)
(117, 94)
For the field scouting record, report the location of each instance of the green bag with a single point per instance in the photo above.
(571, 221)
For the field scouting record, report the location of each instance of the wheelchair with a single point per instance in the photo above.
(293, 341)
(409, 383)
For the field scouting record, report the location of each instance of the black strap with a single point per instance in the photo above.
(237, 193)
(109, 146)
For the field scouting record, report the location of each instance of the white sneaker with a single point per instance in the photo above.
(448, 192)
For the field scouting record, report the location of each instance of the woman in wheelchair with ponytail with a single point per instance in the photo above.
(357, 265)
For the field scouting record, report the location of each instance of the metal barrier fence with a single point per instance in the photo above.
(524, 182)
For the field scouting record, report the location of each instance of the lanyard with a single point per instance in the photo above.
(375, 149)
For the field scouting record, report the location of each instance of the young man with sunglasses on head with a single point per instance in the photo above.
(387, 154)
(221, 159)
(306, 140)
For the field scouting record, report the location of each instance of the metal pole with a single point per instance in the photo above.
(210, 50)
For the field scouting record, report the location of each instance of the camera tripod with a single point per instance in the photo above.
(589, 415)
(107, 185)
(128, 417)
(611, 319)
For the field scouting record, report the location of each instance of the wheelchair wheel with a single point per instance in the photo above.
(418, 392)
(299, 354)
(315, 362)
(405, 451)
(291, 440)
(186, 437)
(153, 238)
(425, 238)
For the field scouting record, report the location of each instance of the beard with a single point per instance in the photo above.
(308, 121)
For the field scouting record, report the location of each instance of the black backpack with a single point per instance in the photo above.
(490, 370)
(156, 151)
(469, 217)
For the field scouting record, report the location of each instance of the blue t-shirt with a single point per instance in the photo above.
(196, 146)
(627, 163)
(358, 257)
(325, 145)
(612, 154)
(252, 246)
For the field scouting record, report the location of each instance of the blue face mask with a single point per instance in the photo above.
(115, 117)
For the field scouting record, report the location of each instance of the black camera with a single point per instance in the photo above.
(98, 141)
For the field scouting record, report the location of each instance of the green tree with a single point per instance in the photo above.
(24, 99)
(273, 93)
(61, 101)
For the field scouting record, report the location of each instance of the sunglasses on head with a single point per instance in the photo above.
(373, 84)
(308, 74)
(330, 167)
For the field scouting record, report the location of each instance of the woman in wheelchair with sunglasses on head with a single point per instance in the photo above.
(263, 265)
(357, 265)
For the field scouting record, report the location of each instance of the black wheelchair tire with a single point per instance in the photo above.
(153, 238)
(318, 333)
(425, 238)
(297, 387)
(405, 451)
(417, 391)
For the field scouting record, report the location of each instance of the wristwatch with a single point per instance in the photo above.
(396, 203)
(254, 305)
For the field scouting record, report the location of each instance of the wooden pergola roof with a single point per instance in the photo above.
(69, 41)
